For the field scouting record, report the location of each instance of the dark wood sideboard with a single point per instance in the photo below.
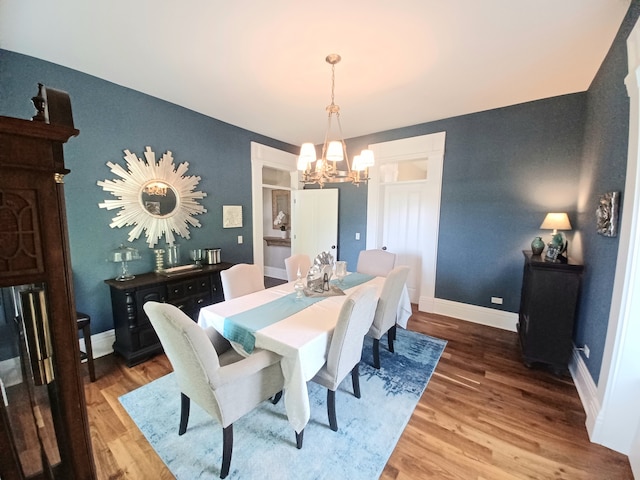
(136, 341)
(550, 292)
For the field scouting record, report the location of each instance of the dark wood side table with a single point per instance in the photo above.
(136, 341)
(548, 304)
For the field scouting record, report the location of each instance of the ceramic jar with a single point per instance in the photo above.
(537, 245)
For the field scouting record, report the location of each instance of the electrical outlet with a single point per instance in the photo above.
(496, 300)
(239, 239)
(586, 351)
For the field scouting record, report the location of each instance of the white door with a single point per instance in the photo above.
(403, 208)
(405, 229)
(315, 222)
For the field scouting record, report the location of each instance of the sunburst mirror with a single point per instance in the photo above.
(156, 198)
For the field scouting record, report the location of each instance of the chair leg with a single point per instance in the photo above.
(391, 337)
(276, 398)
(185, 403)
(227, 450)
(86, 333)
(376, 353)
(331, 410)
(355, 380)
(299, 439)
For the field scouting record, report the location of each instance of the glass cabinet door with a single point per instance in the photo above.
(28, 382)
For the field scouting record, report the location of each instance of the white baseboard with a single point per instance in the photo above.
(101, 343)
(587, 390)
(470, 313)
(274, 272)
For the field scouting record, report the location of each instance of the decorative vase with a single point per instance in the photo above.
(537, 245)
(284, 233)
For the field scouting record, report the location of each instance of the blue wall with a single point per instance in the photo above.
(111, 119)
(504, 169)
(603, 170)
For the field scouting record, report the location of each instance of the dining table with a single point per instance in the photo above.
(294, 325)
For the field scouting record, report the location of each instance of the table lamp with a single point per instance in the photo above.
(558, 244)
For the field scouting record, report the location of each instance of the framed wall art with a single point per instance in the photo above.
(231, 216)
(607, 214)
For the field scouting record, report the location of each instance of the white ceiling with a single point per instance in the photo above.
(260, 64)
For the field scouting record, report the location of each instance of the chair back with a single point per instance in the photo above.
(191, 353)
(387, 308)
(241, 279)
(376, 262)
(353, 324)
(292, 263)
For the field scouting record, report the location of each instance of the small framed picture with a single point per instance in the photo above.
(231, 216)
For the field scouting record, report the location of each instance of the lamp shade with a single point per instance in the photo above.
(367, 158)
(556, 221)
(334, 152)
(307, 155)
(356, 164)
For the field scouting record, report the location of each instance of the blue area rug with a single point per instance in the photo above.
(264, 442)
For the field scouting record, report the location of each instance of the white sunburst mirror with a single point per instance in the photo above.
(153, 197)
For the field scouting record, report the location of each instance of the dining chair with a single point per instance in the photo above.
(375, 262)
(345, 350)
(241, 279)
(84, 323)
(292, 263)
(384, 319)
(211, 373)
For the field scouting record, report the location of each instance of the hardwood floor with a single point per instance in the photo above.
(484, 415)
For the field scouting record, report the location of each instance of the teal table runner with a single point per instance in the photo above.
(241, 328)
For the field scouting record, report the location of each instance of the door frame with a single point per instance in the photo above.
(429, 146)
(265, 156)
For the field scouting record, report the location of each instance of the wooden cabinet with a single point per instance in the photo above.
(136, 340)
(44, 430)
(547, 310)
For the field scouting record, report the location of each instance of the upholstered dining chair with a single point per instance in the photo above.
(375, 262)
(345, 350)
(208, 371)
(384, 320)
(292, 263)
(241, 279)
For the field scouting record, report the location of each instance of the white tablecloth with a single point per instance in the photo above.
(302, 339)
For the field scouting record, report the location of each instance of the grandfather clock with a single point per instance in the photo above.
(44, 430)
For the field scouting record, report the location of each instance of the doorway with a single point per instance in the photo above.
(403, 208)
(272, 170)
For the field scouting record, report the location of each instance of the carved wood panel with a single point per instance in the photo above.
(19, 233)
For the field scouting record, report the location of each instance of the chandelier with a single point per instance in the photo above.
(333, 165)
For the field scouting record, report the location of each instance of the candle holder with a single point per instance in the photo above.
(159, 252)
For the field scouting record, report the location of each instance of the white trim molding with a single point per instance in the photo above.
(101, 343)
(475, 314)
(587, 389)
